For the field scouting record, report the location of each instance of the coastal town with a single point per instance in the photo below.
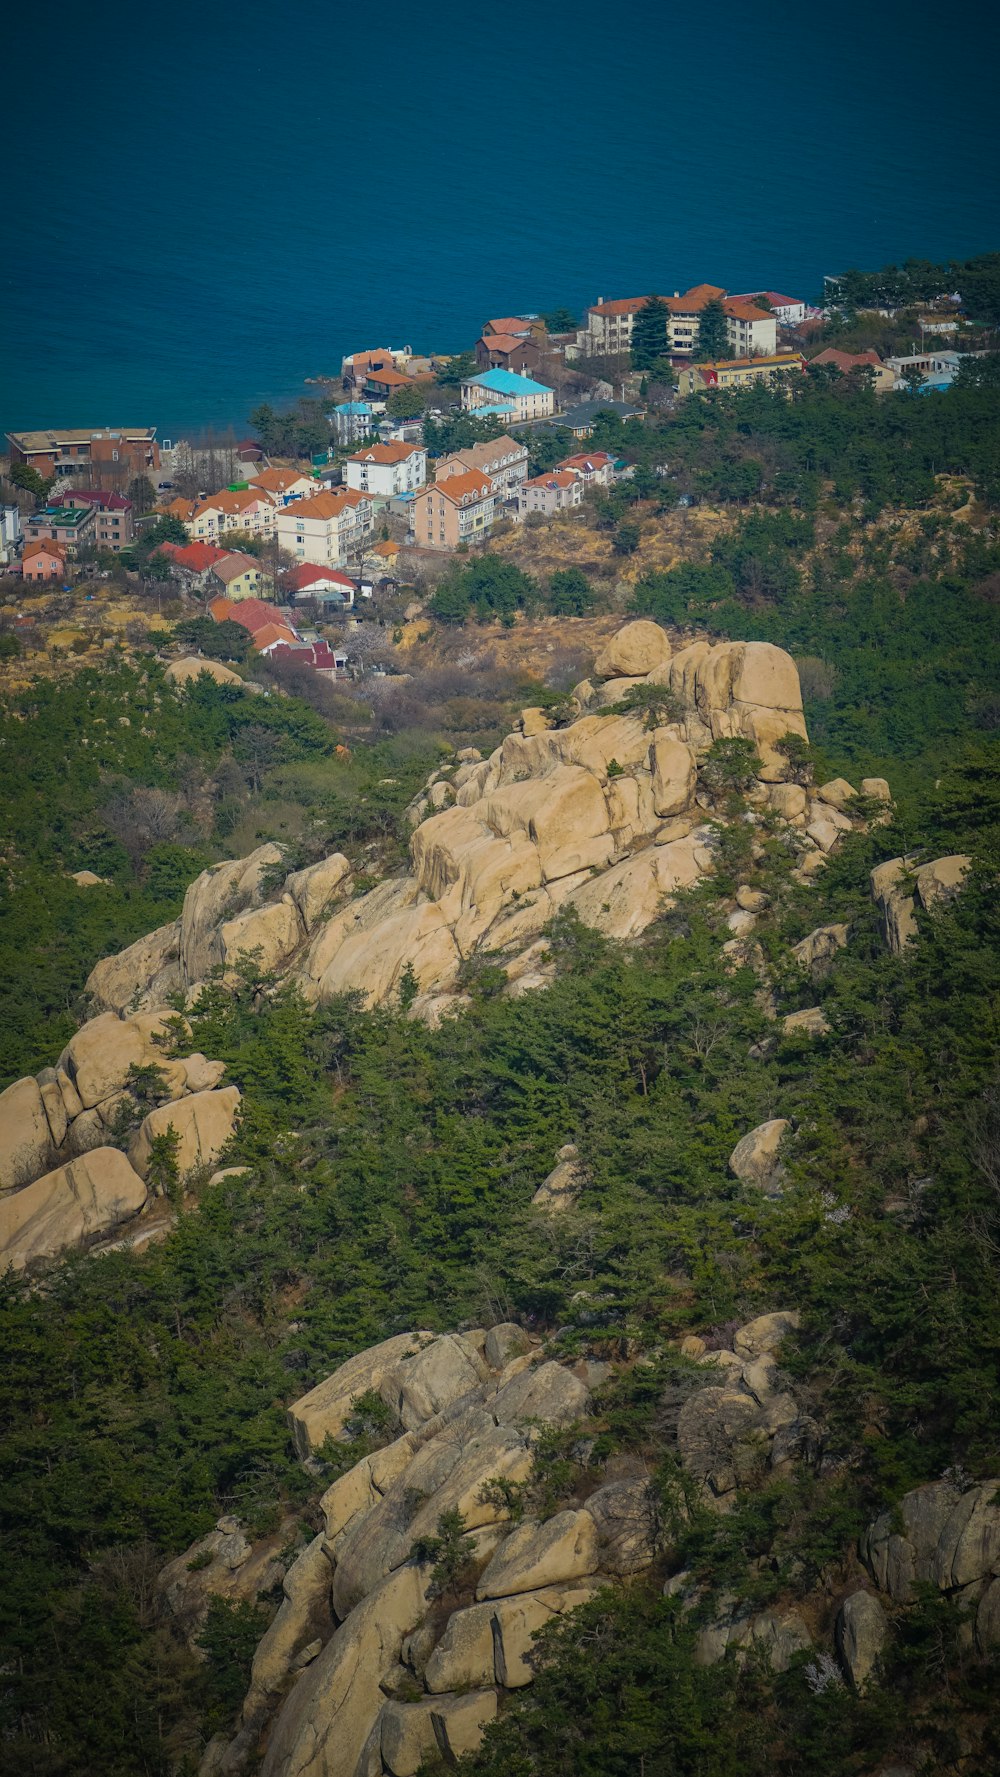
(405, 460)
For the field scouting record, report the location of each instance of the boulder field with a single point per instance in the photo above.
(372, 1662)
(609, 815)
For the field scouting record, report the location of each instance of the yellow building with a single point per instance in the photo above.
(735, 373)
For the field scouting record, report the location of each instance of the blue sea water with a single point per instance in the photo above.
(207, 204)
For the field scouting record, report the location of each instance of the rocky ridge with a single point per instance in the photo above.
(373, 1661)
(610, 815)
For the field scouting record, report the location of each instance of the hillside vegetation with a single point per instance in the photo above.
(390, 1166)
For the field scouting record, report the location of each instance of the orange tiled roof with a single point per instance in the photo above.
(622, 305)
(384, 453)
(456, 487)
(746, 311)
(273, 632)
(329, 505)
(554, 478)
(42, 546)
(510, 324)
(275, 481)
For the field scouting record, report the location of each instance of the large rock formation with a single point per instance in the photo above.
(370, 1665)
(604, 817)
(600, 816)
(73, 1204)
(899, 885)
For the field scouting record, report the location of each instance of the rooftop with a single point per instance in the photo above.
(460, 487)
(51, 440)
(307, 573)
(67, 516)
(507, 382)
(329, 505)
(511, 324)
(385, 453)
(232, 566)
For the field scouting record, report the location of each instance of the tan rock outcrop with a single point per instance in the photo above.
(838, 793)
(861, 1635)
(218, 895)
(142, 976)
(98, 1058)
(560, 1188)
(372, 962)
(186, 671)
(627, 1519)
(674, 774)
(563, 813)
(204, 1122)
(89, 1196)
(754, 1159)
(624, 900)
(811, 1022)
(418, 1386)
(267, 934)
(325, 1410)
(635, 650)
(26, 1145)
(562, 1548)
(325, 1722)
(303, 1615)
(548, 1393)
(314, 888)
(817, 951)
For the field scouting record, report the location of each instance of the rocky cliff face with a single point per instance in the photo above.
(611, 815)
(380, 1653)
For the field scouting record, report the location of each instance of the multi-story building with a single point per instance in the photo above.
(73, 526)
(506, 351)
(752, 331)
(282, 486)
(330, 529)
(43, 560)
(503, 459)
(352, 421)
(122, 451)
(557, 491)
(787, 310)
(515, 327)
(387, 470)
(607, 332)
(609, 325)
(10, 534)
(459, 509)
(734, 373)
(593, 469)
(234, 509)
(515, 396)
(113, 524)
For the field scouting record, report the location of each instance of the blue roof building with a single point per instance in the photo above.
(503, 391)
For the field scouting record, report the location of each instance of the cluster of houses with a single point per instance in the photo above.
(325, 519)
(276, 634)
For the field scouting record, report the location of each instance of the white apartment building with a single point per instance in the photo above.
(387, 470)
(328, 530)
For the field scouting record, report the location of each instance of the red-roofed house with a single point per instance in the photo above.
(325, 585)
(789, 310)
(883, 378)
(252, 613)
(515, 327)
(323, 659)
(113, 527)
(234, 509)
(43, 560)
(555, 492)
(593, 469)
(273, 635)
(518, 352)
(192, 560)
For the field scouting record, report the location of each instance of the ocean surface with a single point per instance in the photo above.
(208, 204)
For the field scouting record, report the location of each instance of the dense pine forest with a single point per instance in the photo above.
(390, 1166)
